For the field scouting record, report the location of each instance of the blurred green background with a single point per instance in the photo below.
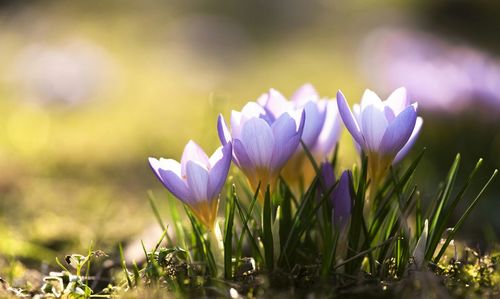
(89, 90)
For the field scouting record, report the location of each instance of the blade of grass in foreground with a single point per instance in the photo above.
(245, 217)
(228, 234)
(464, 216)
(267, 232)
(441, 224)
(124, 265)
(435, 236)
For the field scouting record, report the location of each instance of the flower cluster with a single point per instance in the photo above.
(270, 136)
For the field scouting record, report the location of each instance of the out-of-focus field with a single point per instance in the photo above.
(89, 91)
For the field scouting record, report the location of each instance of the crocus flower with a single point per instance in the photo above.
(383, 130)
(197, 180)
(321, 127)
(341, 196)
(261, 144)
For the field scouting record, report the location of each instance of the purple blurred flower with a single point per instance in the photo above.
(340, 196)
(442, 75)
(262, 144)
(383, 130)
(197, 180)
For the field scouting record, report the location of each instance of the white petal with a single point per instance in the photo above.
(197, 178)
(194, 152)
(373, 126)
(276, 103)
(306, 93)
(398, 100)
(370, 98)
(330, 133)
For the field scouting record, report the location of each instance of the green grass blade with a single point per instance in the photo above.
(267, 231)
(441, 224)
(434, 235)
(245, 217)
(464, 216)
(310, 157)
(228, 234)
(124, 265)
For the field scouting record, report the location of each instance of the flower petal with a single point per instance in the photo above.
(168, 171)
(330, 133)
(341, 199)
(305, 93)
(194, 152)
(406, 148)
(258, 140)
(241, 157)
(327, 177)
(252, 109)
(285, 135)
(370, 98)
(197, 178)
(313, 123)
(398, 132)
(276, 103)
(236, 124)
(373, 125)
(222, 130)
(155, 165)
(398, 100)
(220, 161)
(348, 118)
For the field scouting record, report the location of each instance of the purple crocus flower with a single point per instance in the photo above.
(383, 130)
(197, 180)
(321, 127)
(341, 196)
(262, 144)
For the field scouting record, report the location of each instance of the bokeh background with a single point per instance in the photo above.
(90, 89)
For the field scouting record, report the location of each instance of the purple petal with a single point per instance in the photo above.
(389, 114)
(258, 140)
(193, 152)
(169, 175)
(327, 177)
(341, 199)
(222, 130)
(313, 124)
(414, 135)
(197, 178)
(348, 118)
(218, 173)
(373, 124)
(285, 135)
(330, 133)
(242, 160)
(304, 94)
(398, 132)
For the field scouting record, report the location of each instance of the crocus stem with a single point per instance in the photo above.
(217, 247)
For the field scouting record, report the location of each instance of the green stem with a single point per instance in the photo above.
(217, 247)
